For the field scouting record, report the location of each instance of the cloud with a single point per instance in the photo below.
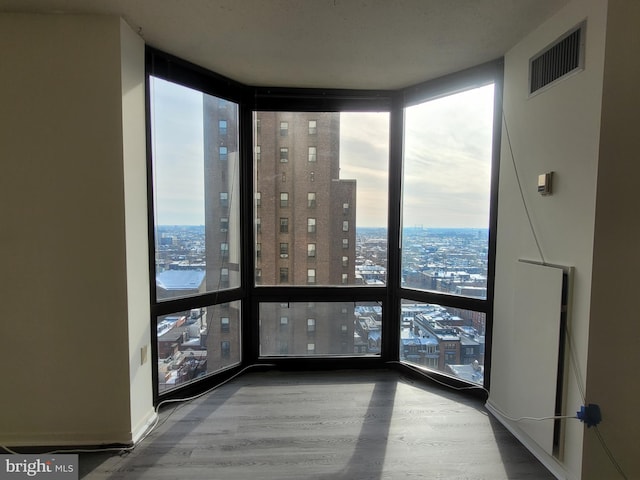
(178, 154)
(447, 165)
(364, 156)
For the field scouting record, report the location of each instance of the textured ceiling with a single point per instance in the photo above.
(380, 44)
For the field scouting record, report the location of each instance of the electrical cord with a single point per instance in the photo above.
(151, 429)
(524, 202)
(535, 419)
(434, 379)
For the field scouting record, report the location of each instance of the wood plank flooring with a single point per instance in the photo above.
(351, 425)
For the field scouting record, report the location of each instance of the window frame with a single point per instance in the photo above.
(250, 293)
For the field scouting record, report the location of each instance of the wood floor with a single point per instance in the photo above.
(351, 425)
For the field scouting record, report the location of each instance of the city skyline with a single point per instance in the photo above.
(447, 138)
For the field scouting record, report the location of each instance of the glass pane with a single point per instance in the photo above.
(195, 189)
(320, 328)
(446, 193)
(196, 343)
(447, 339)
(321, 188)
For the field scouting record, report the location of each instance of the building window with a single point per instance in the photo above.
(224, 224)
(284, 250)
(258, 198)
(258, 276)
(344, 329)
(311, 325)
(225, 349)
(311, 347)
(224, 278)
(284, 225)
(224, 250)
(313, 127)
(258, 127)
(284, 129)
(223, 153)
(311, 276)
(222, 127)
(284, 154)
(258, 225)
(311, 225)
(345, 261)
(311, 199)
(224, 324)
(313, 153)
(284, 322)
(224, 199)
(345, 243)
(345, 208)
(345, 226)
(284, 275)
(258, 153)
(258, 250)
(345, 278)
(284, 199)
(312, 176)
(311, 250)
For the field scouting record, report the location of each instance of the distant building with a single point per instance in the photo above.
(304, 229)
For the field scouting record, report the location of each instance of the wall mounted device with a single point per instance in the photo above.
(544, 183)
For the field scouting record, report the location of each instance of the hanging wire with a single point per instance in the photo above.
(524, 202)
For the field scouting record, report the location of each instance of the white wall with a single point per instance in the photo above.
(65, 293)
(557, 130)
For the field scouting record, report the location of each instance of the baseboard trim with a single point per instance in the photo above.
(143, 427)
(551, 463)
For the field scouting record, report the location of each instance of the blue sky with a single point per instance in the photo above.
(447, 159)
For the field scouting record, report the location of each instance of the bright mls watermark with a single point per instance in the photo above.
(51, 467)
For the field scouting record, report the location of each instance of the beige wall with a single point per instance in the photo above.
(557, 130)
(137, 253)
(614, 330)
(64, 239)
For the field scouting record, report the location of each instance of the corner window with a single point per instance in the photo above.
(196, 248)
(317, 196)
(445, 231)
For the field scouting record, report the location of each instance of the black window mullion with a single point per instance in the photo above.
(391, 325)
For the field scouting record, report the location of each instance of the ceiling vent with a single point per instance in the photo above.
(558, 60)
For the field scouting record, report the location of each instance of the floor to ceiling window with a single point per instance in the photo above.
(320, 198)
(196, 244)
(445, 231)
(294, 226)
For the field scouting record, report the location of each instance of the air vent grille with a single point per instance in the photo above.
(561, 58)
